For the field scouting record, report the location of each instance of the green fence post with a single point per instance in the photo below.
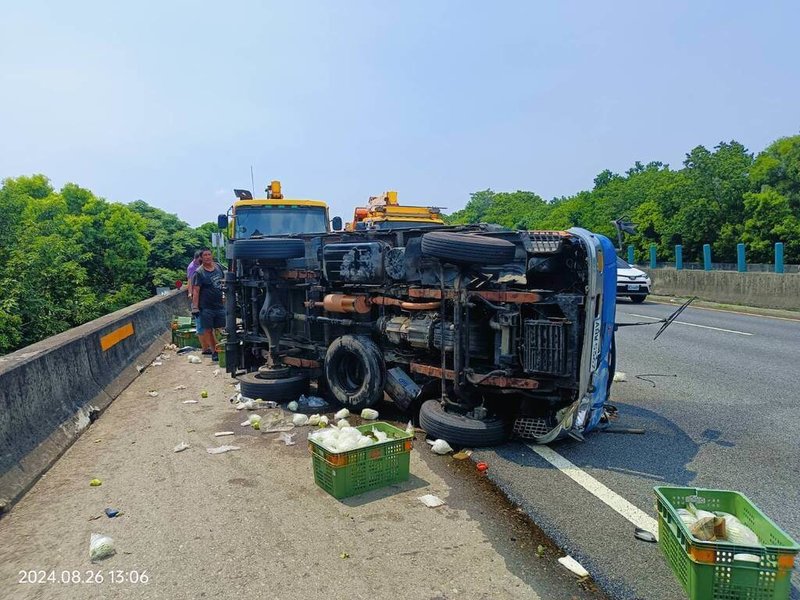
(741, 265)
(630, 255)
(779, 257)
(678, 257)
(706, 257)
(652, 256)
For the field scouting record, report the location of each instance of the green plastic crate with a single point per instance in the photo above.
(708, 570)
(354, 472)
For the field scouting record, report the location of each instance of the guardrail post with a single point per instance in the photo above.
(706, 257)
(741, 266)
(678, 257)
(779, 257)
(630, 254)
(652, 256)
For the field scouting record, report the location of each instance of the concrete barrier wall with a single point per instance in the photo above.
(765, 290)
(51, 390)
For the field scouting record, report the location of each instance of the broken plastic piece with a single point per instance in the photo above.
(100, 547)
(463, 454)
(157, 363)
(222, 449)
(195, 360)
(482, 467)
(112, 512)
(152, 393)
(573, 565)
(620, 376)
(180, 387)
(222, 433)
(287, 438)
(181, 447)
(431, 501)
(95, 483)
(644, 535)
(191, 401)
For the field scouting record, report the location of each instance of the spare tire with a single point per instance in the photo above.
(467, 248)
(355, 371)
(267, 248)
(279, 390)
(458, 430)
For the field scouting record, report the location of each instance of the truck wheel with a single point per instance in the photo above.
(355, 371)
(267, 248)
(467, 248)
(459, 430)
(278, 390)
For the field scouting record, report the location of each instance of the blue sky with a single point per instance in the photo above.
(172, 102)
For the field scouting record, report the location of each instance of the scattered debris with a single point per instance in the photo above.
(482, 467)
(342, 423)
(112, 512)
(203, 394)
(287, 438)
(323, 421)
(95, 483)
(152, 393)
(431, 501)
(140, 368)
(344, 555)
(620, 376)
(238, 387)
(313, 420)
(463, 454)
(100, 547)
(222, 433)
(644, 535)
(157, 363)
(292, 406)
(180, 387)
(170, 347)
(251, 420)
(191, 401)
(195, 360)
(216, 372)
(98, 440)
(440, 446)
(222, 449)
(278, 429)
(94, 518)
(573, 565)
(181, 447)
(539, 550)
(185, 349)
(370, 414)
(257, 425)
(299, 420)
(646, 376)
(342, 414)
(410, 428)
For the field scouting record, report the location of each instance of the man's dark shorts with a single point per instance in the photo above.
(212, 318)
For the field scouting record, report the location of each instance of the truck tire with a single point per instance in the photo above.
(354, 371)
(459, 430)
(267, 248)
(467, 248)
(278, 390)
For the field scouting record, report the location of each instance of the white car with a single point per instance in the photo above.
(632, 282)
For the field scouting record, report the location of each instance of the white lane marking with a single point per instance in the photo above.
(691, 324)
(612, 499)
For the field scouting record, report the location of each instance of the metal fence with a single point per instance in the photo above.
(741, 265)
(694, 266)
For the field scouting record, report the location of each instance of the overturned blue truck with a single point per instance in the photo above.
(481, 331)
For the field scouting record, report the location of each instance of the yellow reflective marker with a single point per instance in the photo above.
(116, 336)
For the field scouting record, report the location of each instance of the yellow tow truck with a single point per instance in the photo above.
(384, 212)
(275, 216)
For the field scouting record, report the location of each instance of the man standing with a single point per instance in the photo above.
(190, 271)
(207, 301)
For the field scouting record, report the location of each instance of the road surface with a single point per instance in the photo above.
(717, 396)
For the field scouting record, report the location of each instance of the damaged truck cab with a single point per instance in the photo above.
(484, 331)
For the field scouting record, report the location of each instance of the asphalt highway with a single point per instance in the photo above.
(717, 397)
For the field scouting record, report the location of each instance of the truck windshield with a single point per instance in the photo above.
(280, 220)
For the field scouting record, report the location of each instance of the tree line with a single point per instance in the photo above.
(720, 197)
(68, 256)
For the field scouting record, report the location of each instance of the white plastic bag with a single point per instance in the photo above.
(313, 419)
(299, 420)
(342, 423)
(195, 360)
(292, 406)
(342, 414)
(101, 546)
(441, 447)
(287, 438)
(410, 428)
(324, 420)
(370, 414)
(181, 447)
(222, 449)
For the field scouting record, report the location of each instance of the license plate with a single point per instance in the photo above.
(633, 287)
